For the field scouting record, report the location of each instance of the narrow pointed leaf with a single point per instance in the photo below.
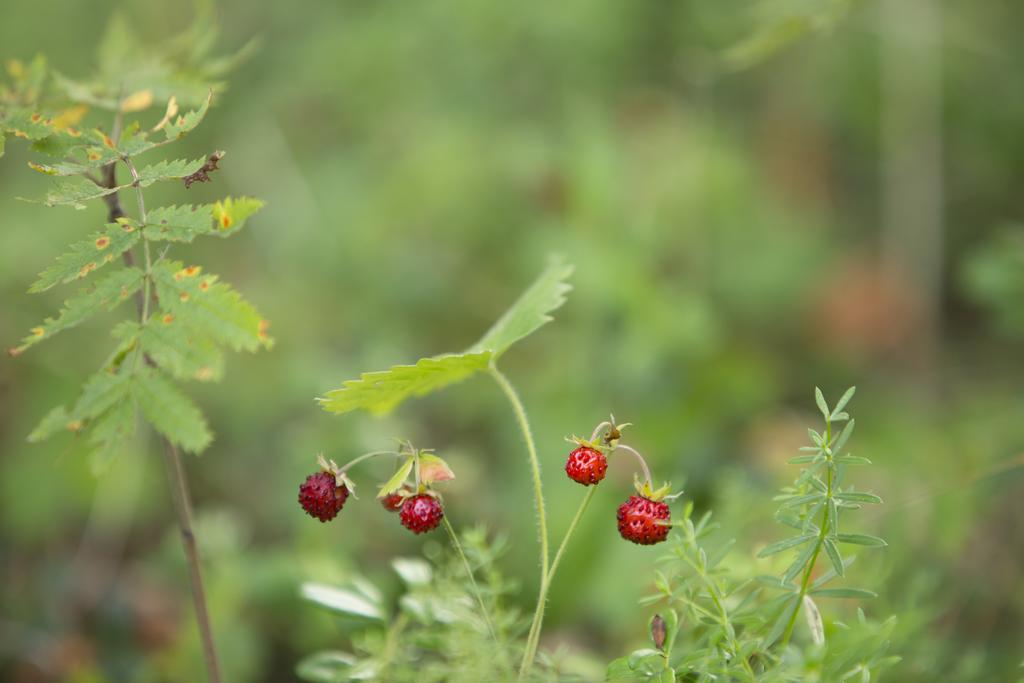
(396, 481)
(861, 539)
(833, 555)
(784, 544)
(856, 593)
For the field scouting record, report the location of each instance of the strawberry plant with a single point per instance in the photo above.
(99, 140)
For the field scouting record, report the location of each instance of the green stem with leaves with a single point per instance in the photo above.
(175, 469)
(820, 543)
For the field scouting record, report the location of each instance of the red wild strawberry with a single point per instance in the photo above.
(643, 521)
(586, 465)
(321, 497)
(392, 502)
(421, 513)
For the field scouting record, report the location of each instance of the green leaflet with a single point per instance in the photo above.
(381, 392)
(77, 191)
(109, 433)
(185, 223)
(211, 308)
(180, 351)
(171, 412)
(97, 250)
(178, 223)
(531, 311)
(230, 214)
(58, 418)
(106, 294)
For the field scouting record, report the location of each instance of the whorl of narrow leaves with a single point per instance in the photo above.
(380, 392)
(185, 318)
(813, 506)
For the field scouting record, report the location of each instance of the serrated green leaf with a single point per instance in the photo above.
(109, 433)
(861, 539)
(784, 544)
(381, 392)
(856, 593)
(106, 294)
(531, 311)
(169, 170)
(101, 392)
(75, 193)
(57, 419)
(180, 351)
(396, 481)
(171, 412)
(833, 555)
(97, 250)
(187, 122)
(178, 223)
(210, 308)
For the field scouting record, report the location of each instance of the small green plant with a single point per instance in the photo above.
(184, 319)
(643, 519)
(717, 625)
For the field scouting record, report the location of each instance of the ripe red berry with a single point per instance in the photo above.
(642, 520)
(392, 502)
(321, 497)
(586, 465)
(421, 513)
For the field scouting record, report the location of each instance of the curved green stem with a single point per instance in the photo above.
(542, 527)
(365, 456)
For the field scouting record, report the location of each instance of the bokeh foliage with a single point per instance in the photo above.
(419, 160)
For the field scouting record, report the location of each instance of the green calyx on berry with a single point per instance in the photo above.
(423, 466)
(340, 478)
(647, 490)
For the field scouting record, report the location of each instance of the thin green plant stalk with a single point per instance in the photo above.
(542, 530)
(569, 532)
(805, 582)
(175, 469)
(476, 588)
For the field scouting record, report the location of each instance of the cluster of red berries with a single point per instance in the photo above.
(323, 494)
(643, 519)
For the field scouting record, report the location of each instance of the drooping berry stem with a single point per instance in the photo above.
(640, 458)
(598, 429)
(569, 532)
(365, 456)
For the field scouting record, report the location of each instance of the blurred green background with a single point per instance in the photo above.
(758, 196)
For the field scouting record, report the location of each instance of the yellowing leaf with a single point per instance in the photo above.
(434, 469)
(137, 101)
